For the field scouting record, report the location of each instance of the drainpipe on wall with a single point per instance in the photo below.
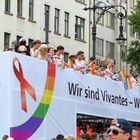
(90, 23)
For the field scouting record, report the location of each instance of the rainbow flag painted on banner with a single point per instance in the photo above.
(90, 68)
(25, 130)
(122, 76)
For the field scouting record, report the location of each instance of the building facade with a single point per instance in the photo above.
(108, 30)
(64, 22)
(59, 22)
(20, 19)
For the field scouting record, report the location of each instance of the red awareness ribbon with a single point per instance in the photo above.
(24, 84)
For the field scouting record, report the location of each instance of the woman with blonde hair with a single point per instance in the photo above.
(43, 51)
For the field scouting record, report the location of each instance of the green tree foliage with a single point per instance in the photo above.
(134, 18)
(133, 55)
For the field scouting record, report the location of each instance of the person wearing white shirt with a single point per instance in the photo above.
(59, 57)
(34, 52)
(80, 63)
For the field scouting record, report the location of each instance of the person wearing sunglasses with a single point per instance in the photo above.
(136, 133)
(120, 129)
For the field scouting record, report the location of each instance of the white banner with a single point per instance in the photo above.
(40, 101)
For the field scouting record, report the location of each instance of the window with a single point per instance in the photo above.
(101, 20)
(31, 9)
(132, 3)
(124, 22)
(109, 49)
(56, 21)
(19, 8)
(47, 9)
(66, 21)
(80, 1)
(30, 42)
(66, 56)
(124, 1)
(79, 28)
(110, 20)
(6, 40)
(18, 38)
(123, 50)
(7, 5)
(99, 46)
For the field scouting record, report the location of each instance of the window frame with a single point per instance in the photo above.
(19, 7)
(80, 1)
(66, 56)
(98, 13)
(31, 9)
(108, 50)
(124, 1)
(30, 42)
(18, 37)
(100, 47)
(56, 20)
(7, 6)
(47, 16)
(79, 28)
(66, 24)
(132, 3)
(6, 40)
(110, 20)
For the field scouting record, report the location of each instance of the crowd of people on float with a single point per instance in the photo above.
(41, 50)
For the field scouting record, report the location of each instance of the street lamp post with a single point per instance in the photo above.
(94, 29)
(105, 7)
(121, 39)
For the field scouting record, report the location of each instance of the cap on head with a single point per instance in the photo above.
(43, 46)
(22, 41)
(123, 124)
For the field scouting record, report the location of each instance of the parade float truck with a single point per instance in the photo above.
(39, 100)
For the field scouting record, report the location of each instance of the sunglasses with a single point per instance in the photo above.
(114, 131)
(23, 52)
